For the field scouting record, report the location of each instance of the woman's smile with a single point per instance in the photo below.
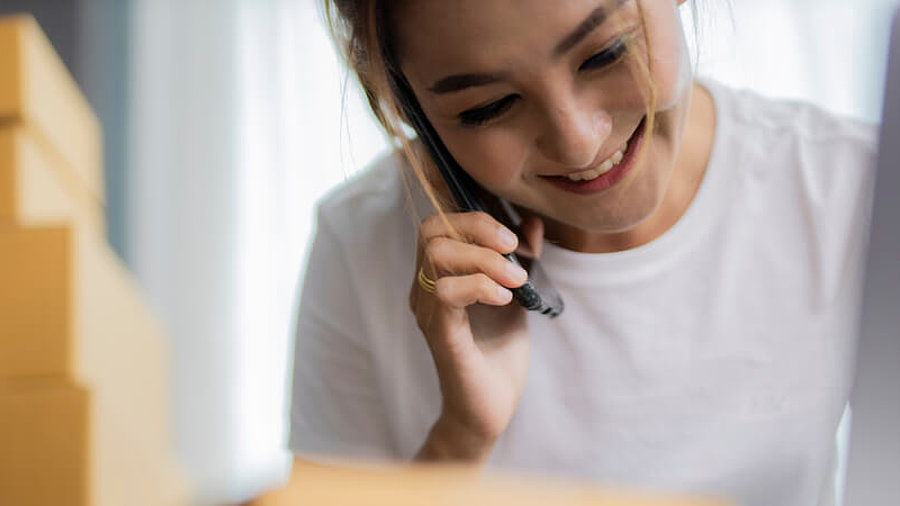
(604, 174)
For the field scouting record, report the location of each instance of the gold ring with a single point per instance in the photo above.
(424, 282)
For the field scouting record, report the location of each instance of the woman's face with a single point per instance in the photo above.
(535, 99)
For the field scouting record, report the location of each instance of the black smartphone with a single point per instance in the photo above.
(537, 294)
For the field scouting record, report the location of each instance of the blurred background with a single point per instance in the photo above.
(225, 120)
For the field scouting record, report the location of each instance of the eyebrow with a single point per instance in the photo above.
(596, 18)
(459, 82)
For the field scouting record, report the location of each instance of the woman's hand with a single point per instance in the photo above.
(478, 338)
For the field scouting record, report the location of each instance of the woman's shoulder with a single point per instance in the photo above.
(777, 140)
(376, 185)
(376, 194)
(786, 118)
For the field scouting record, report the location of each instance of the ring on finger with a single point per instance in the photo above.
(425, 282)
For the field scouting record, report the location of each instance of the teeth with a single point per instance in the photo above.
(588, 175)
(605, 167)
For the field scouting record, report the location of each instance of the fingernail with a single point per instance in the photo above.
(516, 272)
(503, 294)
(507, 238)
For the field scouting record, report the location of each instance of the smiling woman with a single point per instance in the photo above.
(556, 110)
(701, 349)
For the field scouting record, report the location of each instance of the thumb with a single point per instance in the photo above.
(531, 234)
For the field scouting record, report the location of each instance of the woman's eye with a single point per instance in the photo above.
(481, 115)
(606, 57)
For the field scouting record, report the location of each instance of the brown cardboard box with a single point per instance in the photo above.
(36, 321)
(70, 309)
(68, 306)
(37, 91)
(72, 320)
(34, 191)
(45, 437)
(435, 484)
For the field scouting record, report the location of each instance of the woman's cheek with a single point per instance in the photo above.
(492, 156)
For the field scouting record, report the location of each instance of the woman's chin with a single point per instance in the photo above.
(610, 224)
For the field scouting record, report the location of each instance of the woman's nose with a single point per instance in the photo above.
(574, 134)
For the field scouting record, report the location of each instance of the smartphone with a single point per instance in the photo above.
(537, 294)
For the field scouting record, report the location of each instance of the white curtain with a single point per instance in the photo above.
(829, 52)
(292, 149)
(239, 122)
(182, 190)
(236, 128)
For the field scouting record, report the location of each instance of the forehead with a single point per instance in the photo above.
(445, 35)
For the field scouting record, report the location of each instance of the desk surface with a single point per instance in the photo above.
(446, 485)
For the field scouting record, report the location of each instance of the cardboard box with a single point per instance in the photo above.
(84, 415)
(45, 437)
(36, 302)
(363, 484)
(34, 191)
(70, 309)
(38, 92)
(60, 449)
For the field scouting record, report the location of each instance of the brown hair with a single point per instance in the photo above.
(363, 33)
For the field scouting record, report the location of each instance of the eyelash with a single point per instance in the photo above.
(481, 115)
(606, 57)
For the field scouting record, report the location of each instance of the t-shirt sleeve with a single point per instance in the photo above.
(335, 409)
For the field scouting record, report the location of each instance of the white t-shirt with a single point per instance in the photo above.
(715, 359)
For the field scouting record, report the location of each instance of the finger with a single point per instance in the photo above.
(458, 292)
(531, 229)
(449, 257)
(475, 227)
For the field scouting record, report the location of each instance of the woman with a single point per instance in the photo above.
(707, 243)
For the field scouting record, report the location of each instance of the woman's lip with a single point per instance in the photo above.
(608, 179)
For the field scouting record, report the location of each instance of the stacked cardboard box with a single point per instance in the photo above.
(83, 365)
